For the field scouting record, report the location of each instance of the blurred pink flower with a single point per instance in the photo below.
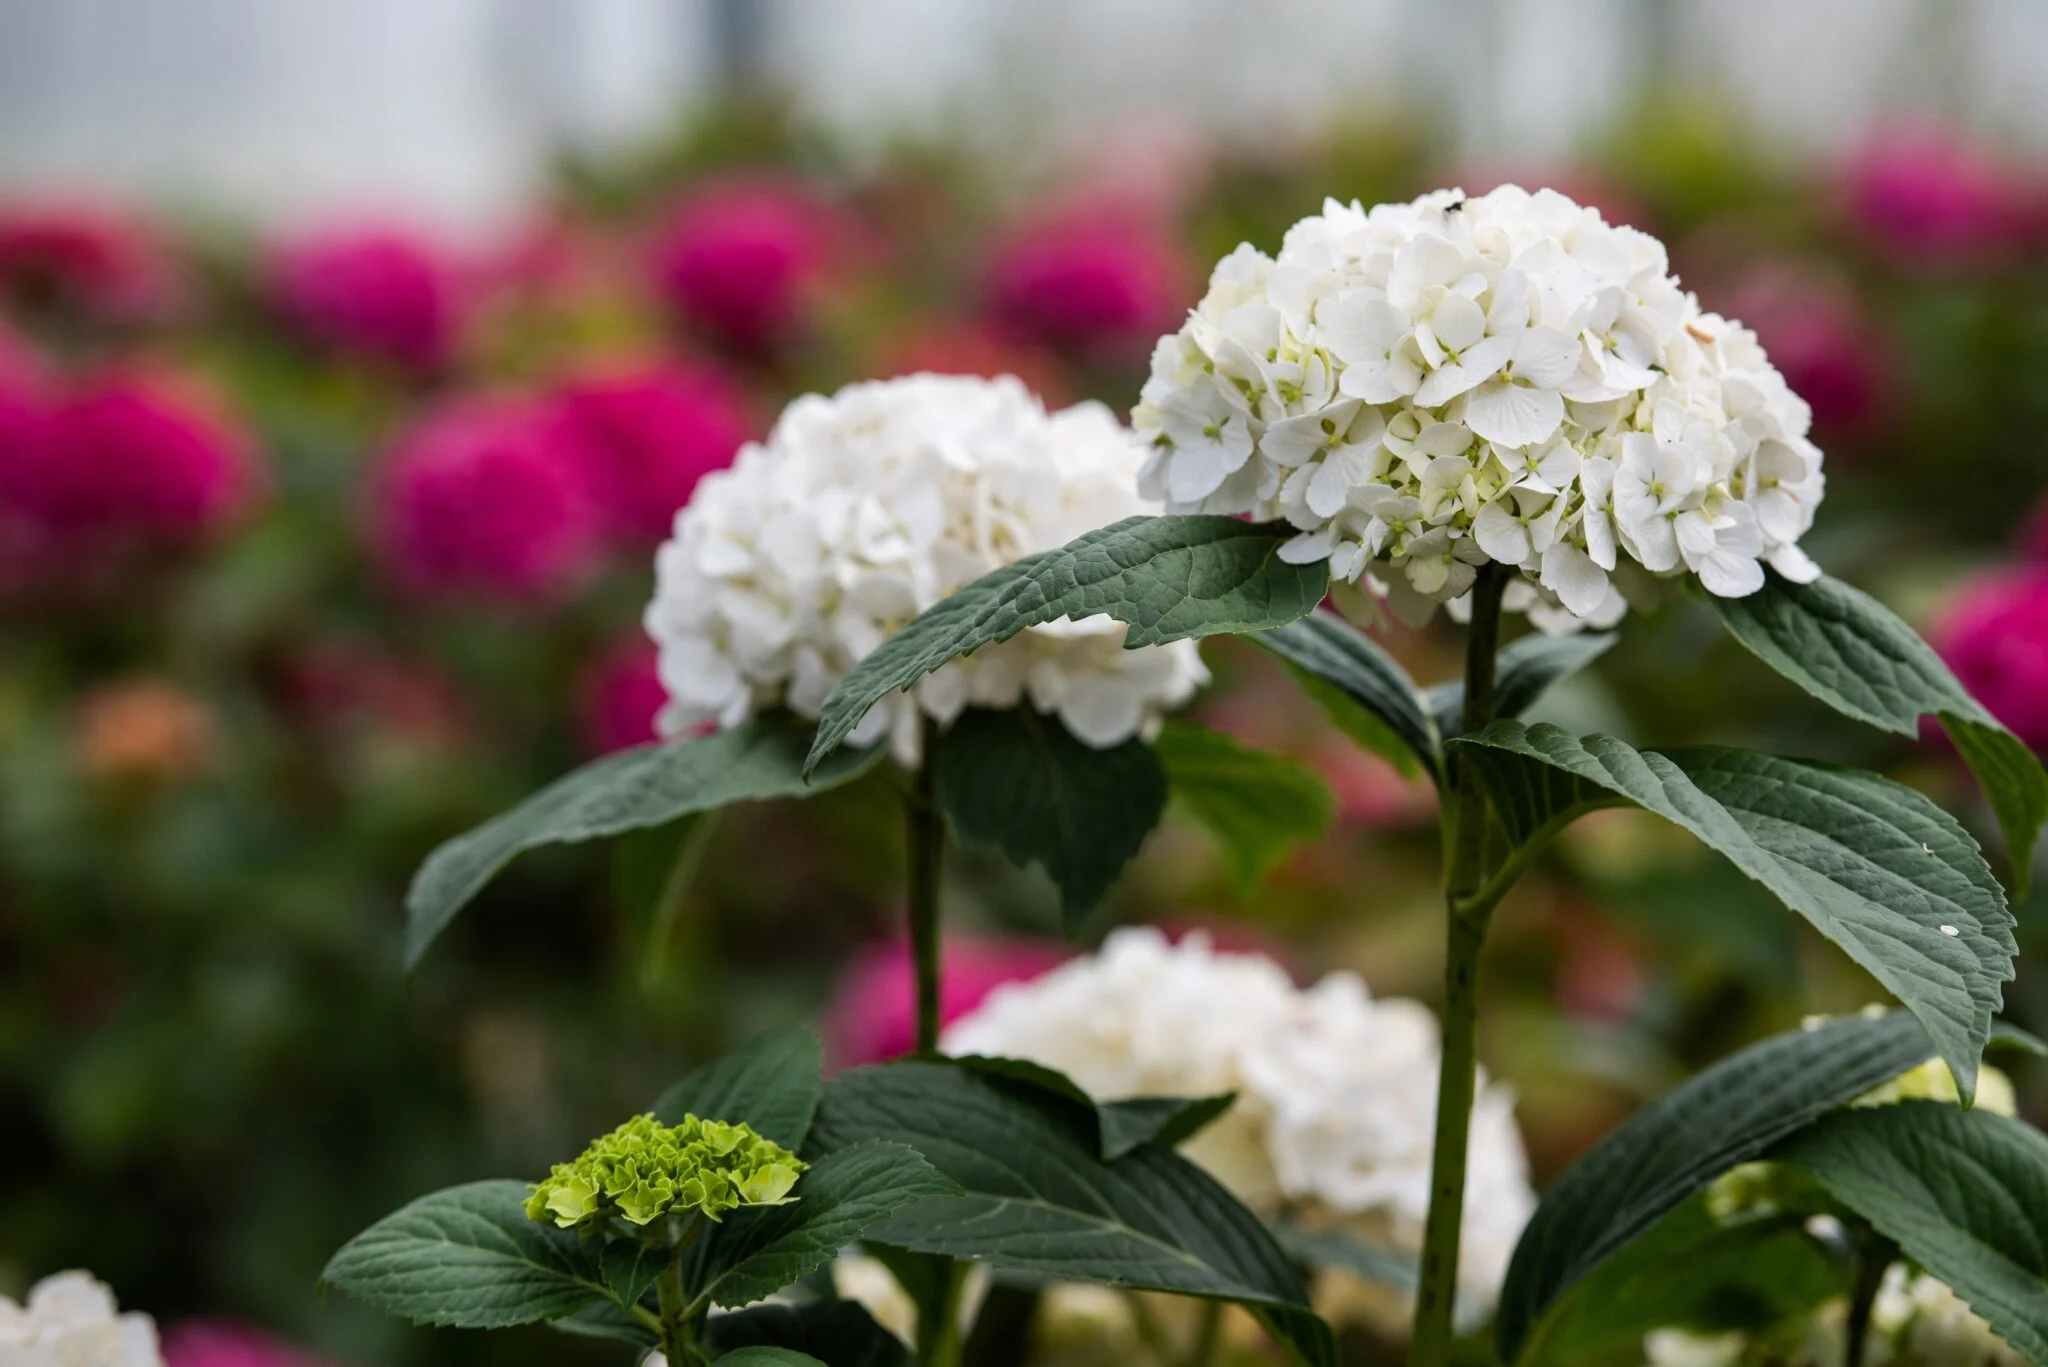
(1090, 276)
(874, 1013)
(1826, 345)
(622, 696)
(1994, 635)
(379, 292)
(84, 258)
(1929, 192)
(21, 370)
(128, 459)
(482, 498)
(738, 257)
(644, 437)
(955, 348)
(225, 1343)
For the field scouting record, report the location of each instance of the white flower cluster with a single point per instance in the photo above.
(1426, 387)
(1336, 1092)
(864, 509)
(71, 1320)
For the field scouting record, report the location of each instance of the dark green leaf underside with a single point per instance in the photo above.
(1363, 688)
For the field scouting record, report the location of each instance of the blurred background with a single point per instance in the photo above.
(352, 354)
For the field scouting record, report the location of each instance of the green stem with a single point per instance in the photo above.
(1467, 913)
(675, 890)
(1873, 1255)
(938, 1339)
(678, 1343)
(927, 851)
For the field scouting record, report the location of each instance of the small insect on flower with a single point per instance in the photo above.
(644, 1170)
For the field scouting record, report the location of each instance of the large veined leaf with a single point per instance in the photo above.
(1963, 1193)
(1692, 1272)
(1364, 689)
(1257, 805)
(755, 1253)
(1021, 783)
(772, 1085)
(1849, 650)
(1873, 865)
(1522, 673)
(469, 1257)
(1334, 1248)
(649, 785)
(1039, 1199)
(1673, 1148)
(842, 1333)
(1120, 1125)
(1167, 578)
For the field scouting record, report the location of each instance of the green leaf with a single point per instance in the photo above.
(842, 1333)
(1120, 1125)
(1875, 866)
(1691, 1272)
(1850, 651)
(650, 785)
(1522, 673)
(469, 1257)
(756, 1252)
(1168, 578)
(652, 871)
(1165, 1121)
(1362, 688)
(772, 1085)
(1673, 1148)
(1020, 783)
(1039, 1198)
(1259, 806)
(767, 1357)
(606, 1321)
(1318, 1248)
(1964, 1193)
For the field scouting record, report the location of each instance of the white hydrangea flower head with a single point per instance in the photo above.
(71, 1320)
(1336, 1090)
(1427, 387)
(863, 509)
(1923, 1323)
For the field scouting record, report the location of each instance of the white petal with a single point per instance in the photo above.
(1514, 415)
(1306, 548)
(1501, 534)
(1571, 574)
(1794, 564)
(1546, 357)
(1728, 575)
(1196, 472)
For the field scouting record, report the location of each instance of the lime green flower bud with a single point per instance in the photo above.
(644, 1170)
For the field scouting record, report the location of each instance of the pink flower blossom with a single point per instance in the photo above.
(1087, 277)
(126, 460)
(84, 258)
(378, 292)
(1994, 635)
(874, 1014)
(644, 437)
(621, 698)
(740, 257)
(225, 1343)
(483, 498)
(1927, 192)
(1826, 345)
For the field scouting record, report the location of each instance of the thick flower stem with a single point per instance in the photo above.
(1465, 830)
(678, 1338)
(927, 854)
(1874, 1254)
(938, 1338)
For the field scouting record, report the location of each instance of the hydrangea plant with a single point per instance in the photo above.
(1499, 405)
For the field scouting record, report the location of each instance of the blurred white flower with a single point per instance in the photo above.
(71, 1320)
(1336, 1091)
(1922, 1323)
(1428, 386)
(863, 509)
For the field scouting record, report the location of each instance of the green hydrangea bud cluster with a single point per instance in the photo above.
(645, 1169)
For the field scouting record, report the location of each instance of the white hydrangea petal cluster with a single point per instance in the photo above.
(1422, 388)
(863, 509)
(1923, 1321)
(1336, 1091)
(71, 1320)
